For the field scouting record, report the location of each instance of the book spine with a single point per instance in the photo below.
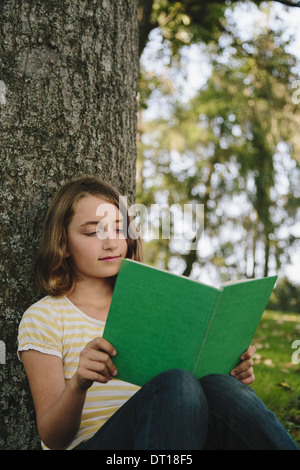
(207, 330)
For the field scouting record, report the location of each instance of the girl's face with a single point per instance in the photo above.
(96, 243)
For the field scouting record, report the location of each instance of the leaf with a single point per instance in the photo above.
(285, 386)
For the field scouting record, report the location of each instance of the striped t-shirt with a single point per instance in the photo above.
(54, 325)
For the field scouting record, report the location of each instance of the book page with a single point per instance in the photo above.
(234, 324)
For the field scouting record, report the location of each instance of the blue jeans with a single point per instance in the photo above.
(175, 411)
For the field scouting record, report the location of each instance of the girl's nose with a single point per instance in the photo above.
(110, 241)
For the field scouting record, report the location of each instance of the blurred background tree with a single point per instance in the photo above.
(232, 146)
(189, 21)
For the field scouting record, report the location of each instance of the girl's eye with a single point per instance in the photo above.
(121, 231)
(92, 234)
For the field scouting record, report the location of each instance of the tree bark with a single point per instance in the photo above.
(68, 107)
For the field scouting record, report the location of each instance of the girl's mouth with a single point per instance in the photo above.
(110, 259)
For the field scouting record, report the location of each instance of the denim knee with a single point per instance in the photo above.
(215, 384)
(178, 378)
(218, 382)
(182, 387)
(173, 412)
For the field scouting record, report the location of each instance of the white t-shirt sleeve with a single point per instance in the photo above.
(38, 331)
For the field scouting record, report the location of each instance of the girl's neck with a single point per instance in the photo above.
(93, 297)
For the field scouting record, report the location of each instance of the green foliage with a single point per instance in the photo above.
(187, 22)
(286, 297)
(277, 376)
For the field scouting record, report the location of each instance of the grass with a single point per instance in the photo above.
(277, 375)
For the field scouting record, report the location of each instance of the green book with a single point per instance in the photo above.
(159, 321)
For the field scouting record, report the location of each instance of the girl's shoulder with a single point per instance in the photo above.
(49, 302)
(41, 328)
(47, 306)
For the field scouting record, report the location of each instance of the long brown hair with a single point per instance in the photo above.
(53, 272)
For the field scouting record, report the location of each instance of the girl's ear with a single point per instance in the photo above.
(64, 246)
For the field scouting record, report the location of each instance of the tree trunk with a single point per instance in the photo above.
(68, 86)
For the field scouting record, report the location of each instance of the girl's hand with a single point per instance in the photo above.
(95, 364)
(244, 371)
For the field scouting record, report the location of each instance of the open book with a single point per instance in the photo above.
(160, 321)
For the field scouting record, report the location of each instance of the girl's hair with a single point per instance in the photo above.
(54, 274)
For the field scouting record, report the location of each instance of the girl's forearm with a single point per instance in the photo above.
(59, 424)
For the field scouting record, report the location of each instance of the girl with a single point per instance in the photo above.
(79, 402)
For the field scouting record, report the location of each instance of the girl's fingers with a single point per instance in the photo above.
(245, 374)
(246, 359)
(248, 380)
(249, 353)
(101, 369)
(103, 350)
(102, 344)
(242, 367)
(95, 360)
